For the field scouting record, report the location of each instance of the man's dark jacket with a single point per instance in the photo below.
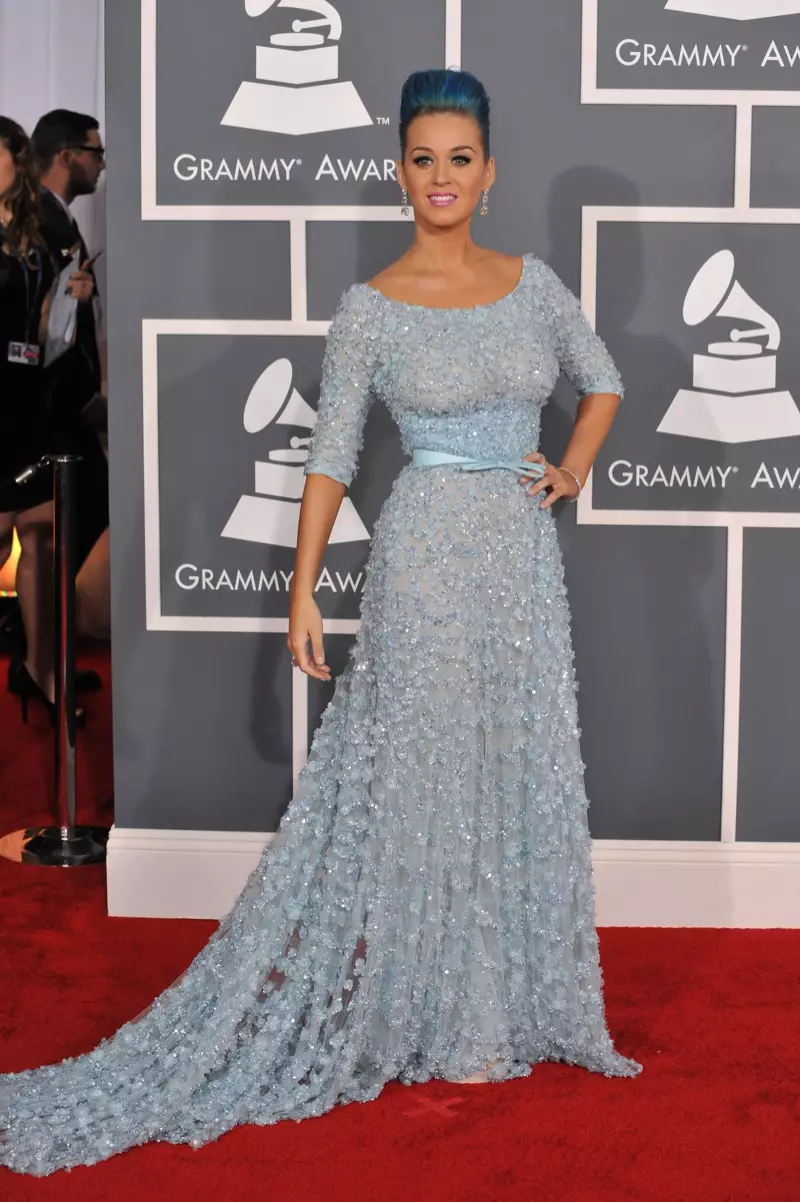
(73, 380)
(76, 375)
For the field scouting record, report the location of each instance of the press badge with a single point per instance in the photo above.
(24, 352)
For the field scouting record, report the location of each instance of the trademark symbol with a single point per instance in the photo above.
(384, 121)
(736, 469)
(299, 162)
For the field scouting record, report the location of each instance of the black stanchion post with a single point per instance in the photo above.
(65, 567)
(65, 845)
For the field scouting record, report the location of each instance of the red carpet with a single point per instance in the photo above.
(26, 755)
(713, 1015)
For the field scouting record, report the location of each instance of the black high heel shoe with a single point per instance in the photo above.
(27, 689)
(86, 679)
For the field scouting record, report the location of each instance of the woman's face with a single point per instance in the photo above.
(8, 170)
(444, 169)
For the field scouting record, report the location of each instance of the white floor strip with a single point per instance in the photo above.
(733, 685)
(299, 724)
(298, 256)
(198, 874)
(452, 34)
(744, 156)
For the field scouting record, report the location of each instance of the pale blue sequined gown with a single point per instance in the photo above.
(427, 905)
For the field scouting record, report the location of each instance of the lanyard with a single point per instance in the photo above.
(30, 303)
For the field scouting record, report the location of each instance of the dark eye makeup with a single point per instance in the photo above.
(462, 160)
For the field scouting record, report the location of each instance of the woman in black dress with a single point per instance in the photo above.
(29, 428)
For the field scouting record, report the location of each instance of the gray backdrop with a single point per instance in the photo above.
(234, 313)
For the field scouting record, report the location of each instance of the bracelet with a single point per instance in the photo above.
(575, 478)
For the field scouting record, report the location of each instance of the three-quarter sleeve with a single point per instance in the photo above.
(582, 355)
(346, 390)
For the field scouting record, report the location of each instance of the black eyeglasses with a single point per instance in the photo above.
(100, 151)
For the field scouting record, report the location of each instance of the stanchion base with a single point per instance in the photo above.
(45, 846)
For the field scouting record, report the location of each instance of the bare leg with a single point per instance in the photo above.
(35, 591)
(93, 592)
(6, 537)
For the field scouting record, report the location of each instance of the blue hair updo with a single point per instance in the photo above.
(444, 91)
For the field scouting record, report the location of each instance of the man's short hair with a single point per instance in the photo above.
(57, 131)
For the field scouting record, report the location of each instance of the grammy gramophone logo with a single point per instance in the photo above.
(736, 10)
(271, 516)
(298, 90)
(735, 398)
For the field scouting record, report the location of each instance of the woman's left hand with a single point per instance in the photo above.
(81, 284)
(560, 484)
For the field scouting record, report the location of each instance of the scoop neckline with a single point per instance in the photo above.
(455, 308)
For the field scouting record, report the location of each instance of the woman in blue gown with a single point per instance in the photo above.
(426, 908)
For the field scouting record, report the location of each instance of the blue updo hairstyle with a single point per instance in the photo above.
(444, 91)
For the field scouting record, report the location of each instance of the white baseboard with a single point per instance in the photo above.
(178, 874)
(686, 884)
(198, 874)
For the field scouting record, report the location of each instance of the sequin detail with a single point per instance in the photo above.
(427, 904)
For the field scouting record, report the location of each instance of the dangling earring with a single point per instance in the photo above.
(485, 205)
(404, 203)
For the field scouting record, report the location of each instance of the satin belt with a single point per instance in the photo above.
(424, 458)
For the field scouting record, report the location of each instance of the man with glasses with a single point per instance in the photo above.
(70, 159)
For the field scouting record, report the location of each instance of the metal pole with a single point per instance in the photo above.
(65, 844)
(65, 567)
